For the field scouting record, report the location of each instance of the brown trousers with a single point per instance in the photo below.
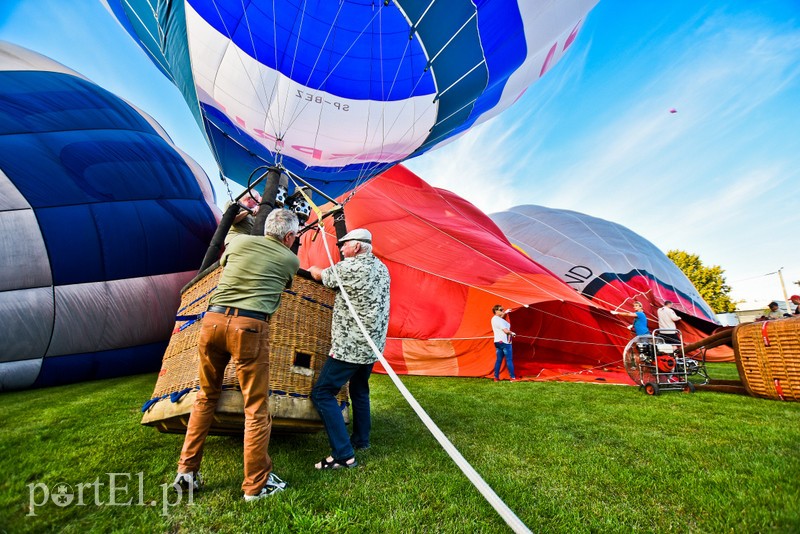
(246, 341)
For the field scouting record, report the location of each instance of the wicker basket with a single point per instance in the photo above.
(299, 344)
(768, 358)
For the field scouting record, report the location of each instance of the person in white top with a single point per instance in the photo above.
(667, 316)
(666, 320)
(502, 342)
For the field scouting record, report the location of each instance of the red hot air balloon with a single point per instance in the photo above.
(449, 265)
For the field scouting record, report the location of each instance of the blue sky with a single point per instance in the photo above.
(719, 178)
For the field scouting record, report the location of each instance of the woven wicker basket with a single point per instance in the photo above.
(768, 358)
(299, 344)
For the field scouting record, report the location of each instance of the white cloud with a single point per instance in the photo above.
(476, 166)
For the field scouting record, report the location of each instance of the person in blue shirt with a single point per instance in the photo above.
(639, 325)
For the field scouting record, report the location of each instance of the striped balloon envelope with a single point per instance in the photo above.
(609, 264)
(338, 91)
(102, 221)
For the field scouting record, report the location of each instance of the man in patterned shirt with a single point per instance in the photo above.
(365, 280)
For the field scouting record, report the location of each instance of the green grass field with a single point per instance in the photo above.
(565, 457)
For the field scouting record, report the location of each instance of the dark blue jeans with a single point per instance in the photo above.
(503, 351)
(334, 374)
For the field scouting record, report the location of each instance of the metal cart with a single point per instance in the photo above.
(657, 362)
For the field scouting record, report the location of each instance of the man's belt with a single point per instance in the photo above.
(227, 310)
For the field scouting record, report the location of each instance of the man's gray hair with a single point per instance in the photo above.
(281, 222)
(365, 248)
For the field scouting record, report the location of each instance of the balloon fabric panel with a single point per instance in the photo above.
(607, 263)
(103, 221)
(118, 313)
(78, 167)
(21, 240)
(449, 265)
(345, 34)
(60, 370)
(40, 102)
(28, 314)
(435, 312)
(344, 90)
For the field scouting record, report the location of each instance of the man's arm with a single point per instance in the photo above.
(316, 273)
(328, 280)
(241, 215)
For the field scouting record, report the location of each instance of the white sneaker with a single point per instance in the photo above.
(274, 485)
(188, 482)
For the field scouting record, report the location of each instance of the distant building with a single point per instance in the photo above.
(748, 316)
(728, 319)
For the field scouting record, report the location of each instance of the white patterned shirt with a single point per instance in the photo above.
(366, 280)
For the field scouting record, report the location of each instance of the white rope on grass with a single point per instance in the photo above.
(488, 493)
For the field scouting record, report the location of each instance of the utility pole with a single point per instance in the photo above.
(783, 288)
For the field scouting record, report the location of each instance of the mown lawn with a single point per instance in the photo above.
(565, 457)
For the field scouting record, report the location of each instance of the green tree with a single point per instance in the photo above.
(709, 281)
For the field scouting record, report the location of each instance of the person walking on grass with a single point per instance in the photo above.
(366, 281)
(256, 269)
(502, 342)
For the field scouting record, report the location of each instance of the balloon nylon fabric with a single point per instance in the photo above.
(449, 265)
(340, 91)
(102, 221)
(591, 253)
(609, 264)
(488, 493)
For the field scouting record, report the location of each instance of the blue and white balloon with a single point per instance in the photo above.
(339, 91)
(102, 221)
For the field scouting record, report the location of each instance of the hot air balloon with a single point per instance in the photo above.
(102, 220)
(334, 93)
(449, 265)
(609, 264)
(337, 92)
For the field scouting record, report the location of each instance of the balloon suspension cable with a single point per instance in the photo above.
(278, 153)
(227, 186)
(488, 493)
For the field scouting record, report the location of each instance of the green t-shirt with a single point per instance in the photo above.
(255, 271)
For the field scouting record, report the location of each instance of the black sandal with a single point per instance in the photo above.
(330, 463)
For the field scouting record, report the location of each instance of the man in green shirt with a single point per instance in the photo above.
(256, 269)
